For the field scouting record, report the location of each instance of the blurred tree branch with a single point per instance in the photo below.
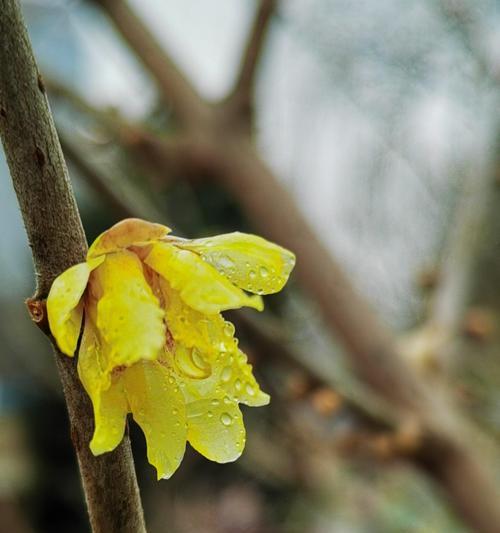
(240, 101)
(450, 445)
(57, 241)
(189, 107)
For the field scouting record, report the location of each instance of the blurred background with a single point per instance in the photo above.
(381, 119)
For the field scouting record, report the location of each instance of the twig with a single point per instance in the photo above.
(187, 105)
(449, 451)
(240, 101)
(120, 196)
(57, 240)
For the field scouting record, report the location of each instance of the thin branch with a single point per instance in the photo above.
(461, 264)
(451, 445)
(187, 105)
(460, 19)
(242, 95)
(121, 196)
(57, 240)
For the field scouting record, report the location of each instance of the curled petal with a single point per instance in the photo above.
(215, 429)
(158, 407)
(63, 304)
(199, 284)
(208, 333)
(110, 419)
(108, 399)
(248, 261)
(207, 355)
(129, 316)
(128, 232)
(235, 377)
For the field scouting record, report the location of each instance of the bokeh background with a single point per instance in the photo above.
(381, 118)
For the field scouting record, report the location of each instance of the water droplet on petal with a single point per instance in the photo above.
(264, 272)
(250, 390)
(215, 402)
(252, 274)
(228, 329)
(225, 262)
(237, 384)
(226, 419)
(210, 414)
(226, 374)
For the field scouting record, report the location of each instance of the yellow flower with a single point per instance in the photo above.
(154, 341)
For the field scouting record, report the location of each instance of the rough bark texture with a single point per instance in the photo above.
(57, 241)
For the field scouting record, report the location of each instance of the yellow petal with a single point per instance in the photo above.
(63, 304)
(108, 399)
(248, 261)
(208, 333)
(235, 377)
(158, 407)
(206, 354)
(110, 419)
(215, 429)
(198, 283)
(129, 316)
(126, 233)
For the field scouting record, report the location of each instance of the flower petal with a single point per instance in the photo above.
(199, 284)
(129, 316)
(63, 304)
(207, 355)
(248, 261)
(158, 407)
(208, 333)
(235, 377)
(126, 233)
(215, 429)
(108, 399)
(110, 419)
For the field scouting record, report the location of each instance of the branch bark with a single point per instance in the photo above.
(188, 106)
(240, 101)
(57, 241)
(454, 452)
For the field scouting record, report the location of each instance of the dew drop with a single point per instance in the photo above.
(228, 329)
(252, 274)
(215, 402)
(210, 414)
(237, 384)
(250, 390)
(198, 359)
(263, 272)
(226, 374)
(226, 419)
(225, 262)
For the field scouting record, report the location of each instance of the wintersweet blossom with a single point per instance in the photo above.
(154, 342)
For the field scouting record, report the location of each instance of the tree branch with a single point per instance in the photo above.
(187, 105)
(451, 445)
(57, 240)
(121, 196)
(240, 100)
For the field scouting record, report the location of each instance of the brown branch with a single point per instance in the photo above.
(121, 196)
(187, 105)
(459, 16)
(469, 239)
(57, 240)
(452, 446)
(100, 185)
(240, 101)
